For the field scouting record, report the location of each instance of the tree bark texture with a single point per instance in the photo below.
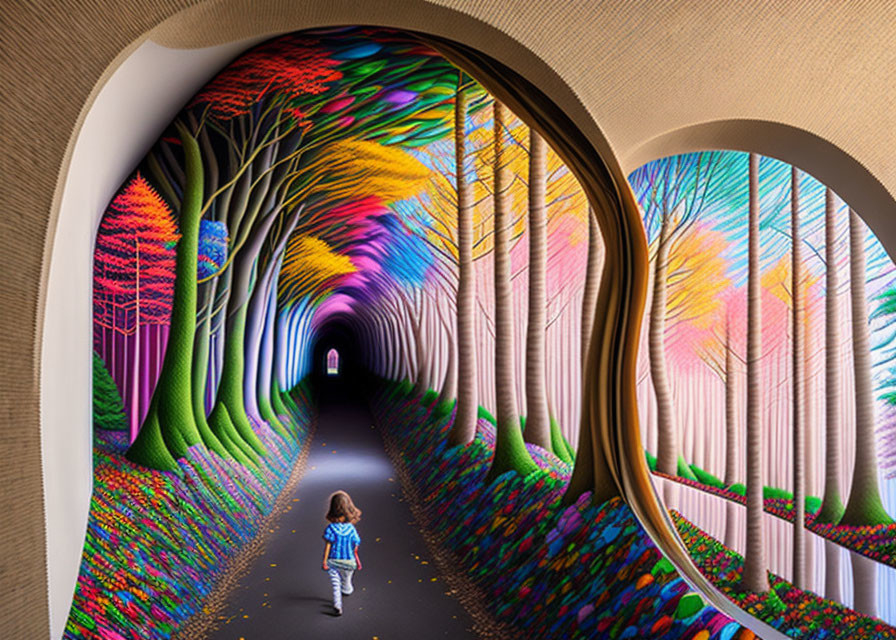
(464, 429)
(755, 576)
(798, 418)
(538, 419)
(831, 506)
(732, 442)
(170, 428)
(592, 281)
(864, 506)
(510, 449)
(667, 434)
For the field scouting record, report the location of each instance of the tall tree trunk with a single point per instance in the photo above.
(669, 458)
(134, 413)
(798, 352)
(199, 372)
(464, 429)
(732, 466)
(831, 506)
(755, 576)
(255, 321)
(510, 448)
(448, 392)
(170, 428)
(538, 420)
(281, 341)
(591, 471)
(832, 571)
(592, 282)
(266, 360)
(417, 320)
(589, 307)
(864, 506)
(731, 528)
(864, 580)
(732, 441)
(228, 418)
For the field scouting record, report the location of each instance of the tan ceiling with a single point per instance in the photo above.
(811, 82)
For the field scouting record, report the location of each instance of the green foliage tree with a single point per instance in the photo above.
(108, 409)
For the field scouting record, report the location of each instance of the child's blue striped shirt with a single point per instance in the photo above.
(343, 538)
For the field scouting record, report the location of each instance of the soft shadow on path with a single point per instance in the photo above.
(398, 595)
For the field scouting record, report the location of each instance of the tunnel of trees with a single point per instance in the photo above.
(356, 189)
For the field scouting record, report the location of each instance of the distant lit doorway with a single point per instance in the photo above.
(332, 362)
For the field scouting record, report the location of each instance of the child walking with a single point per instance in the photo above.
(341, 552)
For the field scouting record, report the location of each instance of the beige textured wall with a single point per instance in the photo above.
(640, 80)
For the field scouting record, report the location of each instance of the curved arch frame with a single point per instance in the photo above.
(23, 325)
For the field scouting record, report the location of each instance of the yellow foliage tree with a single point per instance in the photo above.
(350, 170)
(777, 281)
(696, 277)
(309, 266)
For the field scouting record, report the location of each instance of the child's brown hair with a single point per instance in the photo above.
(342, 509)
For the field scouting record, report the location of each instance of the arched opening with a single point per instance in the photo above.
(332, 362)
(483, 28)
(263, 261)
(823, 282)
(337, 355)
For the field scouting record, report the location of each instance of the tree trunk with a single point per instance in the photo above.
(755, 576)
(864, 506)
(510, 449)
(831, 506)
(281, 341)
(832, 571)
(199, 373)
(266, 360)
(538, 421)
(464, 429)
(798, 419)
(731, 528)
(592, 282)
(228, 418)
(864, 580)
(448, 392)
(170, 428)
(591, 471)
(134, 413)
(417, 320)
(732, 466)
(255, 321)
(669, 459)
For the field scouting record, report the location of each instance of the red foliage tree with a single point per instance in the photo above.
(283, 68)
(133, 285)
(134, 260)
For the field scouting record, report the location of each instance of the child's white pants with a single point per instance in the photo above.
(341, 579)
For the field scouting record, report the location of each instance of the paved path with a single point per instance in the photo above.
(398, 595)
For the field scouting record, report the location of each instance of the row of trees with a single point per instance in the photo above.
(689, 196)
(496, 172)
(259, 161)
(277, 189)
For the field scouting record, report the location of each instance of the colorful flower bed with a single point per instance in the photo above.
(877, 542)
(797, 613)
(584, 571)
(157, 542)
